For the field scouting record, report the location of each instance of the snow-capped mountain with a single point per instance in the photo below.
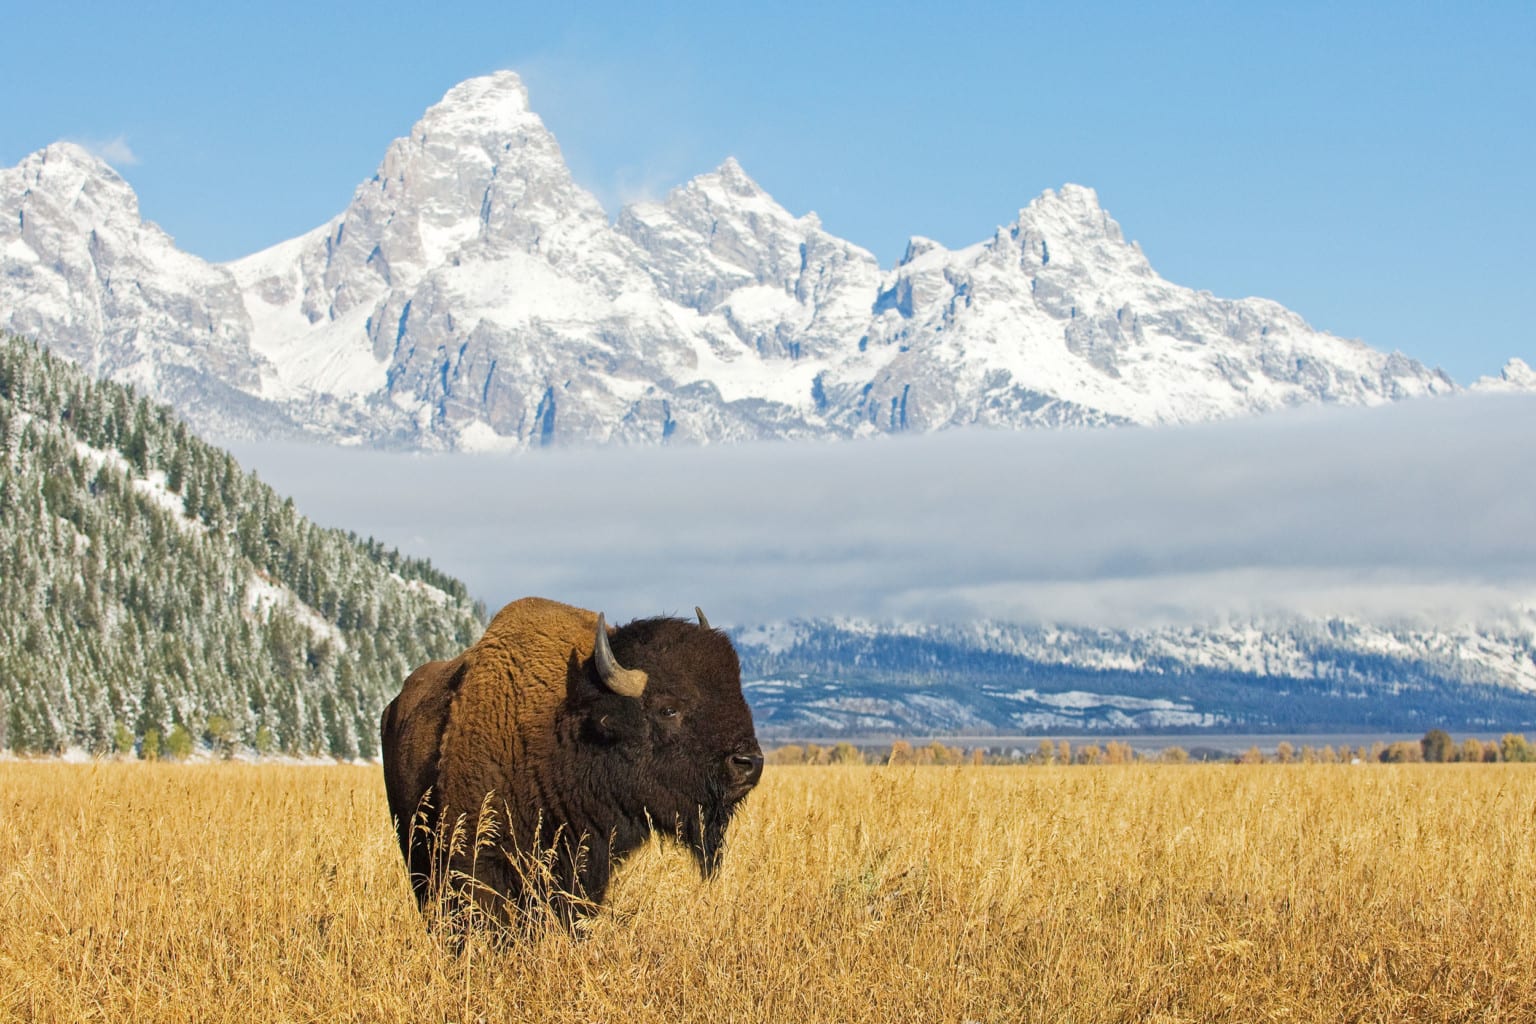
(810, 679)
(1515, 376)
(472, 295)
(82, 272)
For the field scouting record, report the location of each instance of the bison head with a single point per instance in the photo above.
(662, 699)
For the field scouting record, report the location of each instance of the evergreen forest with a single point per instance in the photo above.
(154, 596)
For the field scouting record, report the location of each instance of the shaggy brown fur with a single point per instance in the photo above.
(574, 775)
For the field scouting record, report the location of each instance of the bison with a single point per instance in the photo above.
(522, 771)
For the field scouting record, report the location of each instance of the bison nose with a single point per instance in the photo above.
(746, 768)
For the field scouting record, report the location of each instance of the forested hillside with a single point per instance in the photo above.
(152, 592)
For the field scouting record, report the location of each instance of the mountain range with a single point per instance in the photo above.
(857, 679)
(473, 296)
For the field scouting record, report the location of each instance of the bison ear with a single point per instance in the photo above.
(626, 682)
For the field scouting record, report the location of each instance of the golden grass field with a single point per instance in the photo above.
(229, 892)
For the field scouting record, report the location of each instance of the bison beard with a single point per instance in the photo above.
(521, 772)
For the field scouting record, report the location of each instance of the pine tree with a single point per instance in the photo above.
(117, 614)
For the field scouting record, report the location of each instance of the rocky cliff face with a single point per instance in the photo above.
(472, 295)
(81, 271)
(1057, 319)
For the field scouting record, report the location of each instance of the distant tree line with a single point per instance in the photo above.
(1437, 746)
(156, 597)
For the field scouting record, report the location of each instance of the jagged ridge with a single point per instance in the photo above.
(813, 679)
(472, 295)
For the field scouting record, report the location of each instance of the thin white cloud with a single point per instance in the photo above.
(619, 147)
(114, 151)
(1420, 510)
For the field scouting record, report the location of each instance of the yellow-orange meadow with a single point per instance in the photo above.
(1141, 892)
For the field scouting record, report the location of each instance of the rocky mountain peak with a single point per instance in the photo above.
(1516, 375)
(479, 171)
(917, 247)
(64, 157)
(732, 178)
(472, 294)
(483, 125)
(497, 100)
(1072, 215)
(81, 271)
(1072, 205)
(722, 232)
(1518, 371)
(75, 181)
(729, 192)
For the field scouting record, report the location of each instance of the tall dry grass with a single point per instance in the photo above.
(1133, 893)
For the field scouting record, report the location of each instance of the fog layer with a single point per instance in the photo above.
(1421, 510)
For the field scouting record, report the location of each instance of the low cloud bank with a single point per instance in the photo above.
(1420, 510)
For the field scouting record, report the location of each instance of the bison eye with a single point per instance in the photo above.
(667, 712)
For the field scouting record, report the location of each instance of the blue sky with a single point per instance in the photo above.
(1370, 166)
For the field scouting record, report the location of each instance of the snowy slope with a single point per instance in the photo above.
(857, 678)
(1057, 317)
(473, 295)
(82, 271)
(1516, 376)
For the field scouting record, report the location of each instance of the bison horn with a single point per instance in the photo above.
(700, 613)
(626, 682)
